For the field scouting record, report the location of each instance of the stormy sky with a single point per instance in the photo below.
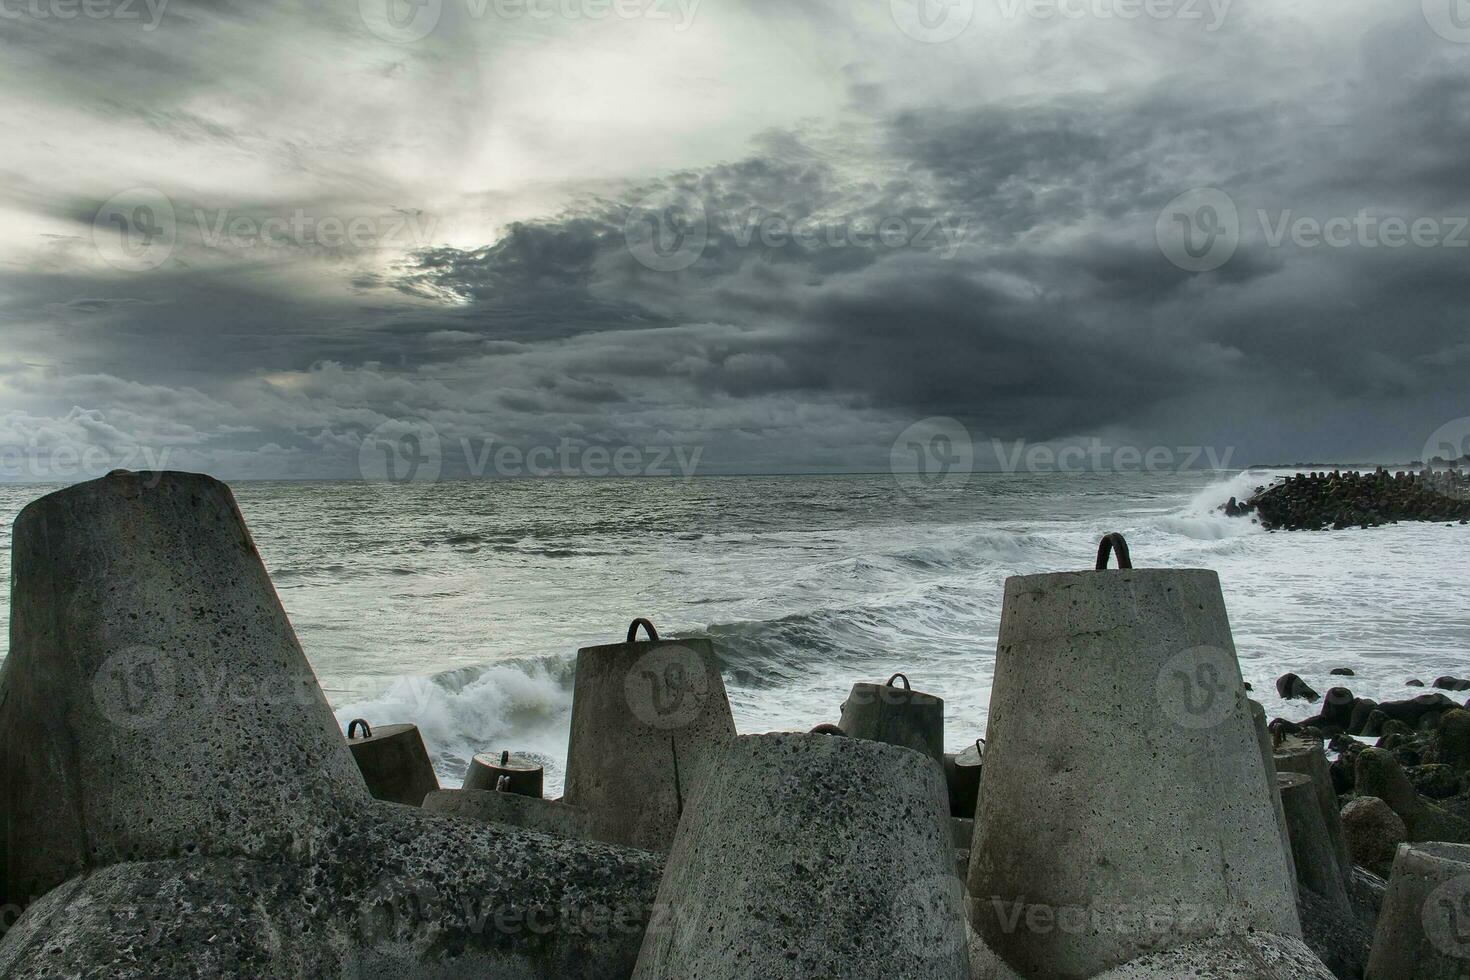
(252, 237)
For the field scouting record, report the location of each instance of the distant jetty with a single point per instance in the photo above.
(1318, 500)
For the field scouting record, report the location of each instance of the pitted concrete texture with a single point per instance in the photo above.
(1424, 925)
(155, 702)
(1257, 956)
(644, 716)
(530, 812)
(811, 856)
(402, 894)
(1123, 775)
(896, 715)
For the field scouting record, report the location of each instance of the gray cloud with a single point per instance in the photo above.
(1023, 290)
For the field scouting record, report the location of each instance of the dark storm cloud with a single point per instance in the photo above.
(1023, 289)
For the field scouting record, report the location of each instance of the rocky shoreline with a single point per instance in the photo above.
(1317, 500)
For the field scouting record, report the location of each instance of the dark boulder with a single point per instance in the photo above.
(1293, 688)
(1342, 672)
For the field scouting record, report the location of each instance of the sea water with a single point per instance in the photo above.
(460, 606)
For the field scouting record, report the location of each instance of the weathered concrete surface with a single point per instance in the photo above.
(1257, 956)
(644, 714)
(811, 856)
(530, 812)
(895, 714)
(403, 894)
(1305, 756)
(1339, 938)
(1424, 925)
(1268, 763)
(395, 764)
(155, 702)
(1122, 773)
(523, 776)
(1312, 849)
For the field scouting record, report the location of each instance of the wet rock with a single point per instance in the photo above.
(1414, 682)
(1358, 718)
(1448, 683)
(1293, 688)
(1450, 744)
(1342, 672)
(1373, 833)
(1435, 781)
(1414, 711)
(1379, 774)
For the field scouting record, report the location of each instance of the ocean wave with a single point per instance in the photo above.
(523, 705)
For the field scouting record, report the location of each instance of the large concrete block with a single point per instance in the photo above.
(1268, 763)
(1123, 775)
(401, 894)
(1305, 756)
(155, 701)
(1424, 925)
(531, 812)
(1312, 850)
(393, 760)
(896, 715)
(811, 856)
(644, 716)
(522, 776)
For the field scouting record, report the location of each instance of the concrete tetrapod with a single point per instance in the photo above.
(1424, 925)
(157, 713)
(1311, 846)
(531, 812)
(1123, 775)
(155, 701)
(393, 760)
(811, 856)
(962, 774)
(1252, 956)
(644, 716)
(896, 715)
(1305, 755)
(1268, 762)
(400, 894)
(522, 776)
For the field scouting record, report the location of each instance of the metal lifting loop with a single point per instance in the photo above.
(1113, 543)
(352, 727)
(827, 729)
(895, 677)
(633, 630)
